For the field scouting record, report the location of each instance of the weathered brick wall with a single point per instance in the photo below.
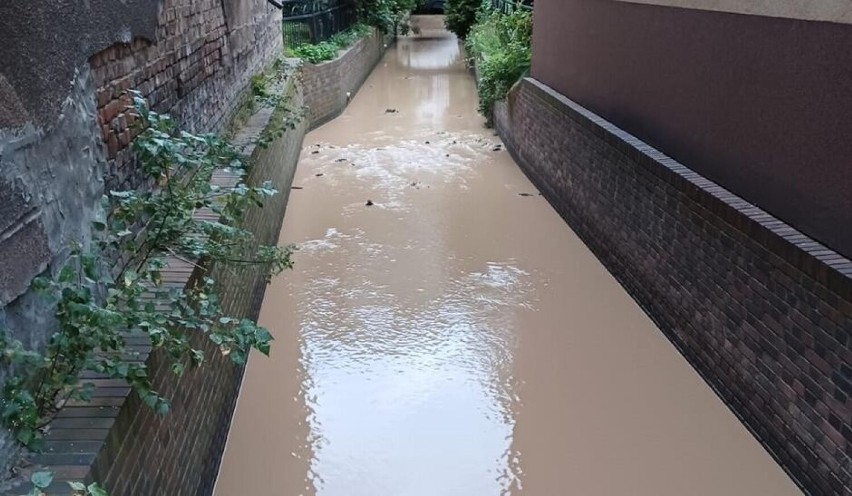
(65, 145)
(760, 310)
(196, 69)
(327, 83)
(180, 453)
(121, 443)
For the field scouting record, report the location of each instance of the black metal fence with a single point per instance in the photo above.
(315, 21)
(509, 6)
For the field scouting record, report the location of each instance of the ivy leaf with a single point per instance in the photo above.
(77, 486)
(42, 480)
(25, 436)
(96, 490)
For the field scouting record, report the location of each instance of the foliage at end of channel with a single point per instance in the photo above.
(388, 16)
(100, 306)
(500, 44)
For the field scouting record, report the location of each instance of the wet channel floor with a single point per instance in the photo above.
(455, 337)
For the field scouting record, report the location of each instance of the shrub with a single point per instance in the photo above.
(316, 53)
(461, 16)
(386, 15)
(501, 45)
(327, 50)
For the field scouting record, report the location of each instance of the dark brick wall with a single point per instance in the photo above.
(760, 310)
(327, 83)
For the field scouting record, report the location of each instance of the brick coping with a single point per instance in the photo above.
(812, 257)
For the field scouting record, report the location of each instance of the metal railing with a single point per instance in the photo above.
(315, 21)
(509, 6)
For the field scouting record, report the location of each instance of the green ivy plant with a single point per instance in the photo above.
(98, 306)
(42, 480)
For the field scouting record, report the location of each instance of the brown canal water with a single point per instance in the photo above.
(456, 337)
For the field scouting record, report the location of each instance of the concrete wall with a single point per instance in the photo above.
(758, 104)
(760, 310)
(64, 133)
(327, 83)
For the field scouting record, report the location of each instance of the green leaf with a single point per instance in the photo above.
(42, 480)
(96, 490)
(77, 486)
(25, 436)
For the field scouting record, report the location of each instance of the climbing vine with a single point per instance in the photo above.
(99, 306)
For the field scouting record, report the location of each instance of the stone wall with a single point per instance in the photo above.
(64, 133)
(327, 83)
(761, 311)
(123, 444)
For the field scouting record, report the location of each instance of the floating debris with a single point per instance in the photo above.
(314, 152)
(369, 203)
(296, 187)
(497, 148)
(525, 194)
(391, 111)
(319, 174)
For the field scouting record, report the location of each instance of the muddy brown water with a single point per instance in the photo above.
(456, 337)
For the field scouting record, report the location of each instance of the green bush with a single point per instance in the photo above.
(386, 15)
(460, 16)
(350, 36)
(327, 50)
(501, 46)
(316, 53)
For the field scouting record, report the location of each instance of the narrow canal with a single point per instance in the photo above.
(445, 333)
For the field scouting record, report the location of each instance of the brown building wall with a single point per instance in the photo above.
(759, 104)
(822, 10)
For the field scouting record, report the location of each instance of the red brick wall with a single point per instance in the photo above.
(760, 310)
(195, 69)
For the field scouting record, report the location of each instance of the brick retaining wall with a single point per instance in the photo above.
(123, 444)
(763, 312)
(327, 83)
